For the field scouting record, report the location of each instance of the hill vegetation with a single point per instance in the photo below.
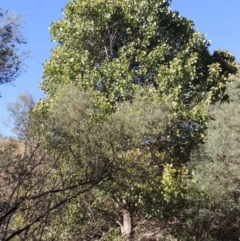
(136, 139)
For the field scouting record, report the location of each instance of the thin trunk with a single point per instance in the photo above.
(126, 227)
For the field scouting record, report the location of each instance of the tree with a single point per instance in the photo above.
(112, 47)
(212, 208)
(116, 48)
(35, 181)
(127, 138)
(127, 53)
(10, 37)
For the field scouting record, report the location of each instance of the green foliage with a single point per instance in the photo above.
(212, 205)
(224, 128)
(113, 46)
(117, 49)
(127, 87)
(171, 182)
(124, 141)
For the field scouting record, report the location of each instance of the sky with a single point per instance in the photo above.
(218, 19)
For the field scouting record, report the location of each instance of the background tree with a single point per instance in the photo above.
(212, 208)
(10, 38)
(35, 181)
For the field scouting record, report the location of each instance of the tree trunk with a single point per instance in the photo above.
(126, 227)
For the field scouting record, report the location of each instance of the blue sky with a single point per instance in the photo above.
(218, 19)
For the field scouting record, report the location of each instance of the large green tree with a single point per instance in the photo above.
(130, 57)
(115, 48)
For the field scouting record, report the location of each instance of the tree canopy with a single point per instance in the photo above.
(119, 48)
(115, 46)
